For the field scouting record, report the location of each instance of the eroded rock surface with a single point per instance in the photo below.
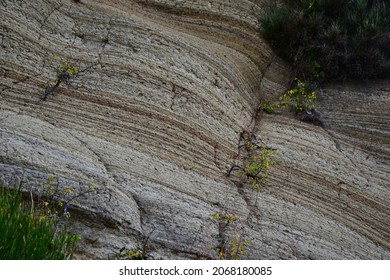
(153, 120)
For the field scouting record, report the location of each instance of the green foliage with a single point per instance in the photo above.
(300, 98)
(26, 235)
(230, 244)
(56, 197)
(65, 71)
(258, 161)
(138, 253)
(132, 254)
(226, 218)
(256, 169)
(330, 39)
(267, 107)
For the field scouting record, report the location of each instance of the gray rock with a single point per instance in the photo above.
(153, 120)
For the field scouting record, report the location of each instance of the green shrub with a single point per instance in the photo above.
(136, 253)
(26, 235)
(257, 161)
(56, 197)
(256, 169)
(300, 98)
(132, 254)
(330, 39)
(65, 72)
(230, 243)
(267, 107)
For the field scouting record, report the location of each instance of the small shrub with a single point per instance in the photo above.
(256, 170)
(132, 254)
(259, 160)
(230, 243)
(56, 197)
(267, 107)
(138, 253)
(300, 98)
(65, 71)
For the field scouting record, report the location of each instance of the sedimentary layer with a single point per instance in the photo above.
(153, 120)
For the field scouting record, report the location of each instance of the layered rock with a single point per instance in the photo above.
(153, 120)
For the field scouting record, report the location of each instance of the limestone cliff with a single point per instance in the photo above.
(153, 120)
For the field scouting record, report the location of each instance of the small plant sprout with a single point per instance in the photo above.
(249, 141)
(258, 161)
(65, 72)
(256, 169)
(132, 254)
(267, 107)
(230, 244)
(226, 218)
(299, 97)
(103, 39)
(139, 253)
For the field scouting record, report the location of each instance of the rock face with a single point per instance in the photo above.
(153, 120)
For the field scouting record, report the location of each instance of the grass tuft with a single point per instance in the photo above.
(30, 236)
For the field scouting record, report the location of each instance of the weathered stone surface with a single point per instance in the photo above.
(153, 120)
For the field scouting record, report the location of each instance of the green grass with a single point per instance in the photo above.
(30, 236)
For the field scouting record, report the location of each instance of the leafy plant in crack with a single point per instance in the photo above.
(138, 253)
(267, 107)
(301, 98)
(65, 72)
(256, 169)
(258, 161)
(230, 243)
(248, 141)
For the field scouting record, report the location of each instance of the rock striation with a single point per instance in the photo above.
(153, 119)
